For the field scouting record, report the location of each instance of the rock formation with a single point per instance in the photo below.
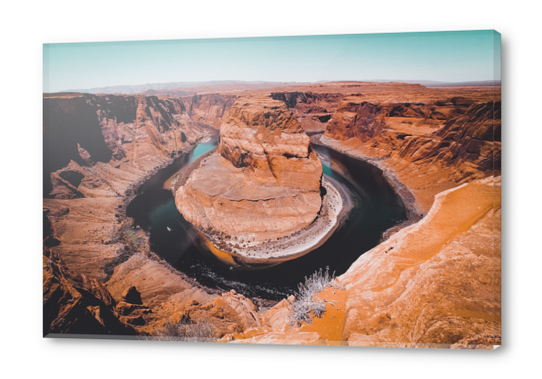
(98, 150)
(408, 290)
(434, 283)
(208, 108)
(77, 304)
(430, 145)
(110, 139)
(264, 181)
(312, 110)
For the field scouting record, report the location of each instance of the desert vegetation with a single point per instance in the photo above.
(306, 306)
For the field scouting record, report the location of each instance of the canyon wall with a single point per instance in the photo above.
(453, 132)
(208, 108)
(435, 283)
(84, 133)
(76, 304)
(312, 109)
(98, 151)
(430, 145)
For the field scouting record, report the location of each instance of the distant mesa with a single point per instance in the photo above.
(184, 88)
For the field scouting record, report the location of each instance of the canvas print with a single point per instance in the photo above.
(335, 190)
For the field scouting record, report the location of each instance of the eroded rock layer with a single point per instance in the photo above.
(208, 108)
(430, 145)
(264, 181)
(436, 282)
(312, 110)
(74, 303)
(99, 150)
(96, 146)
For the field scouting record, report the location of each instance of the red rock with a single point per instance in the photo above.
(264, 182)
(439, 294)
(208, 108)
(433, 283)
(75, 304)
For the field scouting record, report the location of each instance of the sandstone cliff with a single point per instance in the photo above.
(400, 124)
(429, 145)
(208, 108)
(103, 143)
(313, 110)
(102, 148)
(76, 304)
(436, 282)
(264, 181)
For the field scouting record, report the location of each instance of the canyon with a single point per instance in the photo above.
(433, 281)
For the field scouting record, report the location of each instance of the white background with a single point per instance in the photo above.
(26, 25)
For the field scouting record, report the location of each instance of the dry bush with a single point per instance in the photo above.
(306, 306)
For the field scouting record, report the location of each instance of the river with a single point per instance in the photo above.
(376, 208)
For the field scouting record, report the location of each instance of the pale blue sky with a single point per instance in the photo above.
(440, 56)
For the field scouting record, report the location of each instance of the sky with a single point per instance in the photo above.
(439, 56)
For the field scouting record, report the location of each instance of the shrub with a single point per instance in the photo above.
(305, 305)
(203, 331)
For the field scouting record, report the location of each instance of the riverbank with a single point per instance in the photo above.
(408, 198)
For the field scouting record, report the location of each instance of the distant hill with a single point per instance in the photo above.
(434, 83)
(184, 88)
(190, 88)
(464, 84)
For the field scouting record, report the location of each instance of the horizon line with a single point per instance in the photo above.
(232, 81)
